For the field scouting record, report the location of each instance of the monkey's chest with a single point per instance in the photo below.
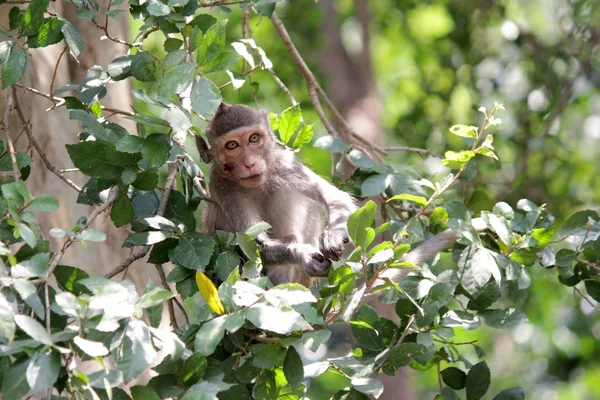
(292, 215)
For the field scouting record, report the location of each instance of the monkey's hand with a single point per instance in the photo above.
(331, 243)
(312, 261)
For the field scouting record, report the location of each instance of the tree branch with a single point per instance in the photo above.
(10, 103)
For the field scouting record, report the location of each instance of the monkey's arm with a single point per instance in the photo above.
(339, 206)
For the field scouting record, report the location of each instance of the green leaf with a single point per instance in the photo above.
(146, 180)
(407, 353)
(275, 320)
(120, 68)
(457, 160)
(121, 212)
(95, 158)
(478, 381)
(476, 266)
(27, 234)
(7, 322)
(135, 351)
(177, 80)
(145, 238)
(154, 297)
(367, 337)
(44, 202)
(194, 368)
(28, 293)
(143, 67)
(332, 144)
(157, 8)
(226, 263)
(293, 367)
(144, 393)
(360, 220)
(129, 144)
(194, 251)
(422, 201)
(464, 131)
(73, 39)
(172, 44)
(376, 184)
(90, 347)
(33, 18)
(455, 378)
(289, 122)
(304, 136)
(155, 150)
(209, 335)
(49, 33)
(205, 96)
(593, 289)
(267, 355)
(14, 68)
(370, 386)
(33, 328)
(502, 319)
(221, 62)
(14, 382)
(212, 44)
(576, 224)
(516, 393)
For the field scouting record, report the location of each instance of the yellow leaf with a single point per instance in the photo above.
(209, 292)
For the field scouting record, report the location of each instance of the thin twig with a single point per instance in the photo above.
(222, 3)
(112, 196)
(588, 263)
(39, 150)
(583, 296)
(56, 70)
(282, 86)
(10, 103)
(163, 281)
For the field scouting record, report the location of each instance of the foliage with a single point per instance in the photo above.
(243, 337)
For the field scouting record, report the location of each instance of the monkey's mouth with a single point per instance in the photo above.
(251, 177)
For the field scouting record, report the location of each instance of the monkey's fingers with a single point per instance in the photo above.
(319, 269)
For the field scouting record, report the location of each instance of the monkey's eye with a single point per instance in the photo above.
(254, 138)
(231, 145)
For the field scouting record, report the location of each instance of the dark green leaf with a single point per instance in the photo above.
(156, 150)
(143, 67)
(121, 212)
(144, 393)
(146, 180)
(194, 251)
(478, 381)
(292, 367)
(454, 377)
(194, 368)
(576, 225)
(67, 278)
(375, 184)
(99, 159)
(226, 263)
(120, 68)
(14, 68)
(14, 382)
(501, 319)
(172, 44)
(516, 393)
(267, 355)
(209, 335)
(593, 289)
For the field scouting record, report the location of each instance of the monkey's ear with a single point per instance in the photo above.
(205, 153)
(263, 116)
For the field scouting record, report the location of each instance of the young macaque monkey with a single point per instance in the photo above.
(253, 179)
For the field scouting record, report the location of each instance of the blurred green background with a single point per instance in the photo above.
(403, 72)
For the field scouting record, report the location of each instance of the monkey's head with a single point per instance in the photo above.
(240, 141)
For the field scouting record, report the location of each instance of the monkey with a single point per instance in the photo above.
(255, 178)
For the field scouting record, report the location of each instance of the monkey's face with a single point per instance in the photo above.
(241, 155)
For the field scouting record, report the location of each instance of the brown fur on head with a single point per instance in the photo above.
(240, 141)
